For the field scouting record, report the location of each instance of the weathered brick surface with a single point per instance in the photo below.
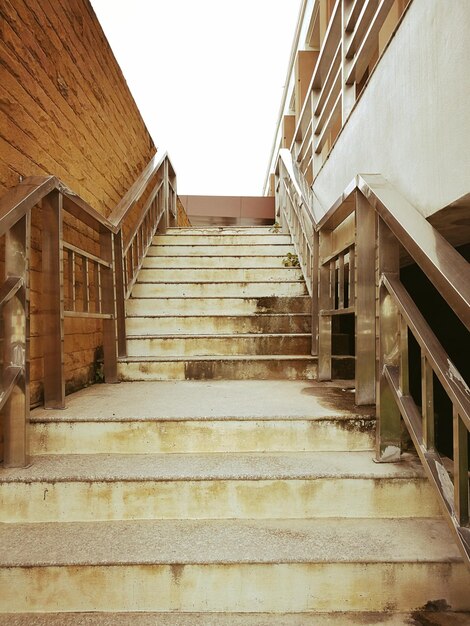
(65, 110)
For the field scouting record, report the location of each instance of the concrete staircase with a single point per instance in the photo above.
(221, 502)
(218, 303)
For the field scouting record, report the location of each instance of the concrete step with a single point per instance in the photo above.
(181, 249)
(223, 345)
(201, 416)
(219, 289)
(214, 486)
(221, 324)
(235, 367)
(213, 261)
(243, 367)
(221, 239)
(218, 306)
(195, 565)
(220, 274)
(430, 616)
(220, 230)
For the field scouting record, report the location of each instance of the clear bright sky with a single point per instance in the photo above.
(208, 77)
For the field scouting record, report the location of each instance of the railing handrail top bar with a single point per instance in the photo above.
(445, 370)
(286, 157)
(20, 199)
(444, 266)
(17, 201)
(118, 214)
(440, 261)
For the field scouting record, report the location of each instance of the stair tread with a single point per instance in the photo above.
(218, 315)
(181, 618)
(326, 540)
(213, 400)
(218, 282)
(206, 335)
(212, 466)
(234, 357)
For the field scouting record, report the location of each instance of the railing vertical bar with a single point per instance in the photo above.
(365, 301)
(15, 412)
(86, 286)
(108, 303)
(99, 298)
(120, 288)
(341, 281)
(72, 292)
(315, 295)
(404, 364)
(461, 476)
(388, 431)
(427, 400)
(53, 299)
(352, 276)
(324, 321)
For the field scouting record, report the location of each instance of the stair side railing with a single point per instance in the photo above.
(356, 251)
(107, 264)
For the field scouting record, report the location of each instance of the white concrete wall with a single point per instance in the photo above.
(412, 123)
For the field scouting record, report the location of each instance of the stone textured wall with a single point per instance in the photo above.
(66, 110)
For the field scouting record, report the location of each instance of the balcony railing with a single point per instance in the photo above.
(351, 258)
(91, 280)
(356, 35)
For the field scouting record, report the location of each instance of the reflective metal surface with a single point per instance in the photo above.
(359, 273)
(365, 301)
(77, 282)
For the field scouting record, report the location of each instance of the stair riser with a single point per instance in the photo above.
(88, 501)
(219, 290)
(219, 369)
(230, 345)
(217, 306)
(246, 587)
(227, 230)
(200, 437)
(213, 261)
(264, 274)
(224, 240)
(219, 324)
(183, 250)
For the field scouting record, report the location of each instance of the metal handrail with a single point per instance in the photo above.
(106, 276)
(368, 223)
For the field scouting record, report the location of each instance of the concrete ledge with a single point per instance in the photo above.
(248, 466)
(416, 618)
(227, 541)
(220, 400)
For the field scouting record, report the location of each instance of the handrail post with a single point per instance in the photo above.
(315, 294)
(365, 300)
(120, 294)
(388, 432)
(53, 302)
(325, 300)
(108, 303)
(16, 345)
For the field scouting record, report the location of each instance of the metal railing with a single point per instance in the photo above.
(355, 249)
(89, 276)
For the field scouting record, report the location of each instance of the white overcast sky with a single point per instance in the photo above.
(208, 77)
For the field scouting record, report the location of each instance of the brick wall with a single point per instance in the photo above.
(65, 110)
